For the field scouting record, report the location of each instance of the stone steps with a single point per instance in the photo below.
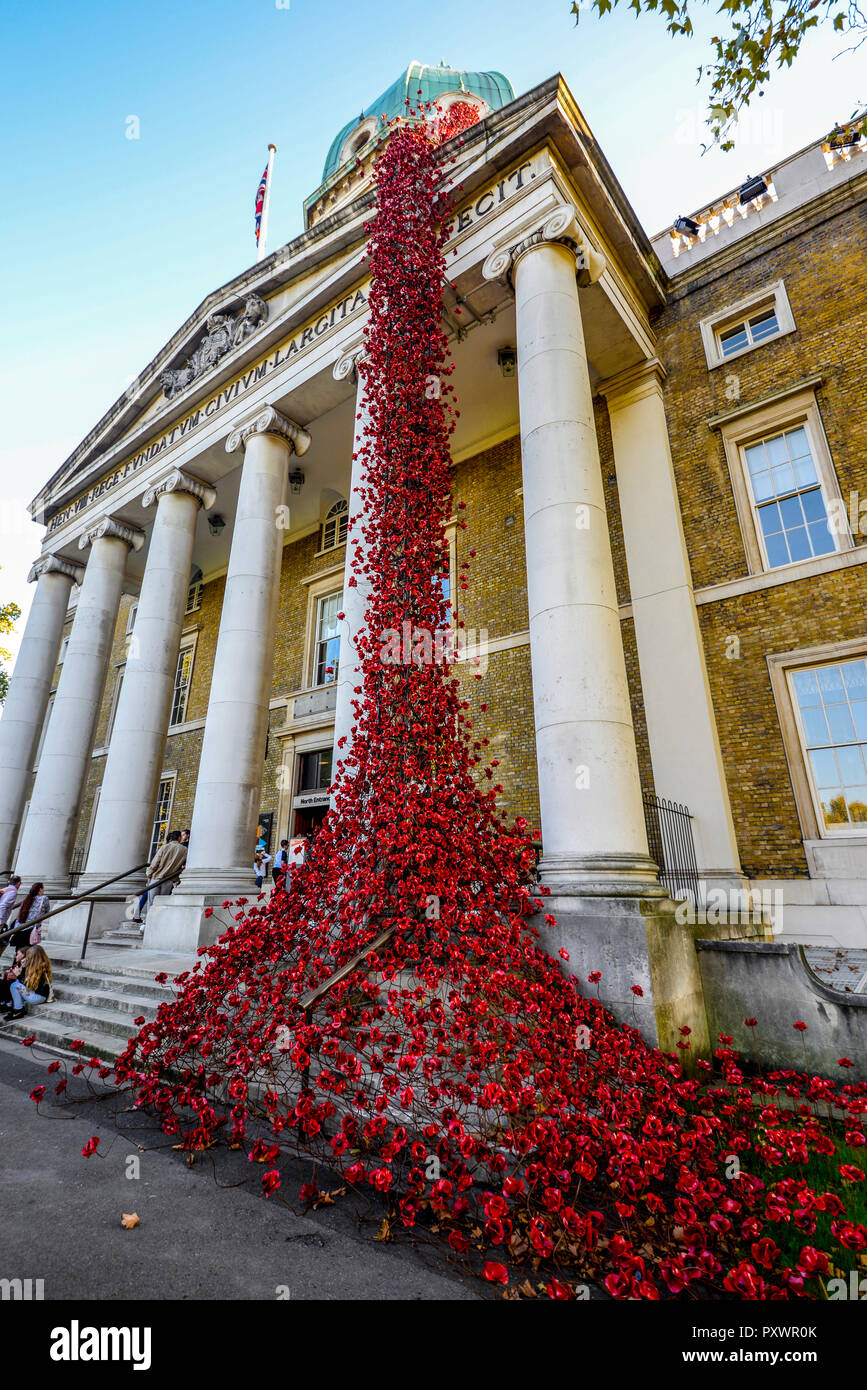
(126, 936)
(94, 1003)
(114, 982)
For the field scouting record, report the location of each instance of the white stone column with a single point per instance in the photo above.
(124, 818)
(355, 596)
(29, 688)
(593, 833)
(223, 827)
(46, 845)
(681, 727)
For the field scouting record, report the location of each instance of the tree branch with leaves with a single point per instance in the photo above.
(758, 35)
(9, 615)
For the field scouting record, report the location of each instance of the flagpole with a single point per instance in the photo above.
(263, 227)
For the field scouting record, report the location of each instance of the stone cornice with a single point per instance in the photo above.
(270, 421)
(109, 529)
(560, 227)
(55, 564)
(175, 480)
(806, 383)
(767, 237)
(547, 116)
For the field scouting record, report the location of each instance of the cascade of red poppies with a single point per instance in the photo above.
(459, 1070)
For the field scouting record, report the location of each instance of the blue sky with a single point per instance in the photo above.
(108, 243)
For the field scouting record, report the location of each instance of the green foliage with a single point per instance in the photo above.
(9, 615)
(758, 35)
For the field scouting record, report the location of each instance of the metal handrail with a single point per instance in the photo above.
(89, 897)
(314, 995)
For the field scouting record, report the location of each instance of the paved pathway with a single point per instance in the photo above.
(62, 1218)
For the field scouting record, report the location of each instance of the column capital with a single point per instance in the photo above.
(108, 528)
(175, 480)
(270, 421)
(55, 564)
(558, 228)
(633, 384)
(346, 367)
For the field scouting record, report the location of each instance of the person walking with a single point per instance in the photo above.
(7, 902)
(281, 861)
(261, 860)
(167, 863)
(33, 986)
(34, 906)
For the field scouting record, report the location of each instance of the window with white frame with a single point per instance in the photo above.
(162, 814)
(326, 650)
(788, 498)
(737, 328)
(61, 657)
(183, 679)
(443, 581)
(784, 483)
(131, 617)
(445, 577)
(335, 526)
(748, 332)
(194, 593)
(85, 849)
(118, 686)
(831, 705)
(48, 708)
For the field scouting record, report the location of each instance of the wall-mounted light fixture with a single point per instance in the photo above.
(507, 361)
(216, 524)
(296, 480)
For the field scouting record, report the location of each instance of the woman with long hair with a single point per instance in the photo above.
(34, 906)
(34, 985)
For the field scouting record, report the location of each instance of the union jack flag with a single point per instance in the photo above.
(260, 202)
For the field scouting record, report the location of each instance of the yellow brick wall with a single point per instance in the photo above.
(822, 267)
(490, 486)
(819, 265)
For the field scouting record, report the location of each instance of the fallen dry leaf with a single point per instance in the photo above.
(129, 1219)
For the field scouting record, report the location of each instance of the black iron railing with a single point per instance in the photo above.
(75, 867)
(669, 839)
(95, 895)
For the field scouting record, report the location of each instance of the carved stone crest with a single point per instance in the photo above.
(223, 332)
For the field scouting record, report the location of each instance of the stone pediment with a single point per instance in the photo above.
(255, 316)
(224, 332)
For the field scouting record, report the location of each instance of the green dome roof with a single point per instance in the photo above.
(493, 88)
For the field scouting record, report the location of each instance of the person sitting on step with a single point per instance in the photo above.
(33, 986)
(13, 973)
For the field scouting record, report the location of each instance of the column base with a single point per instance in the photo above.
(177, 922)
(58, 889)
(129, 887)
(70, 926)
(237, 881)
(601, 875)
(633, 939)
